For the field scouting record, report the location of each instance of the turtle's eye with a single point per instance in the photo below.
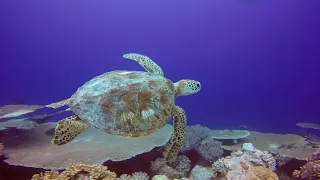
(198, 85)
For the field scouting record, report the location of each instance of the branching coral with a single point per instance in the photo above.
(48, 175)
(194, 136)
(135, 176)
(210, 149)
(311, 170)
(78, 171)
(198, 139)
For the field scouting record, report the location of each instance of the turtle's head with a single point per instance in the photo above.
(186, 87)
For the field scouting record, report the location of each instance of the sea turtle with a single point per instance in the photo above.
(129, 104)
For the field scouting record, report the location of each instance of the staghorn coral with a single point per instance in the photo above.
(175, 169)
(311, 170)
(77, 171)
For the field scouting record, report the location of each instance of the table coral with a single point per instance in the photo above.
(10, 111)
(33, 148)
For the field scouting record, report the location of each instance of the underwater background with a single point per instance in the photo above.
(257, 61)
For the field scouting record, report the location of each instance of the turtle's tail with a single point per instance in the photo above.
(59, 104)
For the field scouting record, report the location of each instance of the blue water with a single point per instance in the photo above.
(258, 61)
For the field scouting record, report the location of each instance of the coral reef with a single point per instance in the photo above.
(241, 160)
(32, 147)
(175, 169)
(78, 171)
(311, 170)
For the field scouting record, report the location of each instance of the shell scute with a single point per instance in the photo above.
(125, 103)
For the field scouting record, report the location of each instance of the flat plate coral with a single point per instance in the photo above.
(286, 145)
(33, 148)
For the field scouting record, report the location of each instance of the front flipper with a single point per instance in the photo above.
(178, 138)
(67, 129)
(145, 62)
(59, 104)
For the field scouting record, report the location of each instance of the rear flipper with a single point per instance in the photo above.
(67, 129)
(59, 104)
(178, 138)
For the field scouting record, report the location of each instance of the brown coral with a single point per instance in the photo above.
(261, 173)
(311, 170)
(48, 175)
(78, 171)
